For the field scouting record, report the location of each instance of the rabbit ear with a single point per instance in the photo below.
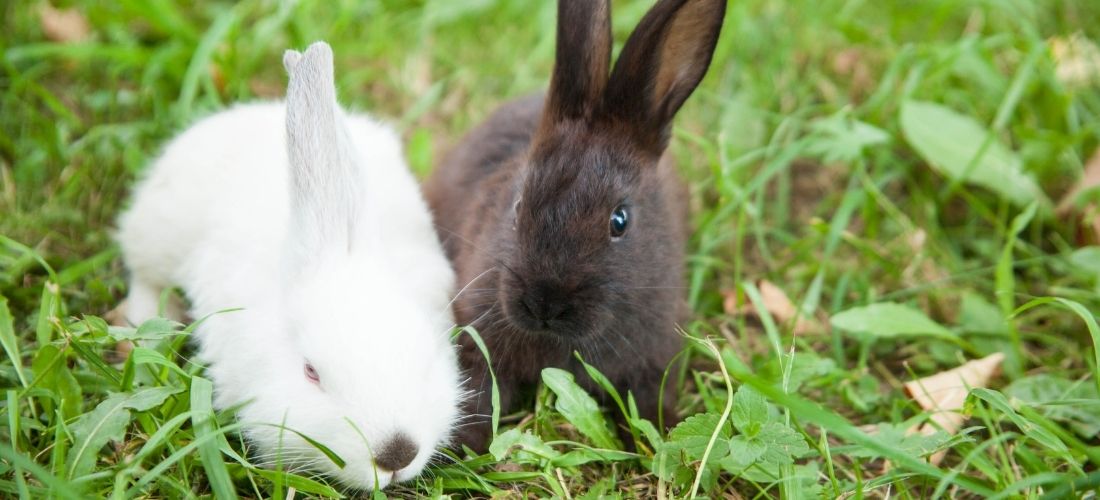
(661, 64)
(582, 60)
(325, 179)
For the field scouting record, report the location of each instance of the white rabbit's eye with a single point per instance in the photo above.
(311, 374)
(620, 219)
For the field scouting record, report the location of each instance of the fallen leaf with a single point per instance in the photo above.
(730, 302)
(777, 304)
(944, 394)
(780, 306)
(852, 63)
(1089, 180)
(64, 25)
(1089, 212)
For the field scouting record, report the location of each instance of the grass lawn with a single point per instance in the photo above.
(878, 194)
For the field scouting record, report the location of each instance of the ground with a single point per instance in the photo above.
(878, 195)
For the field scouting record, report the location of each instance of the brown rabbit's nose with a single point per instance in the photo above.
(396, 454)
(544, 303)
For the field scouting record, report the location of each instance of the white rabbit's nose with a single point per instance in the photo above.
(396, 454)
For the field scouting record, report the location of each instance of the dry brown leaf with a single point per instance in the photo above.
(784, 311)
(944, 393)
(729, 302)
(1090, 213)
(852, 63)
(777, 304)
(64, 25)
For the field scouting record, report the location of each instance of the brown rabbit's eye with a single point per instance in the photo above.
(311, 374)
(620, 219)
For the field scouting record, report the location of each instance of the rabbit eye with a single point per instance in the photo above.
(620, 219)
(311, 374)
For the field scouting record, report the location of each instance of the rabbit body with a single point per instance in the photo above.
(565, 219)
(307, 221)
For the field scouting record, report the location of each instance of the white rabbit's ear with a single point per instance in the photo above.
(290, 60)
(325, 180)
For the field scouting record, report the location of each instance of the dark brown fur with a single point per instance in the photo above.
(523, 204)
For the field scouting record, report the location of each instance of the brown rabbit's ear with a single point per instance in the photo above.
(582, 60)
(661, 64)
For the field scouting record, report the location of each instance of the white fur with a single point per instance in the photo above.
(330, 252)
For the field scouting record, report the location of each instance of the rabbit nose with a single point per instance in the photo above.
(543, 306)
(396, 454)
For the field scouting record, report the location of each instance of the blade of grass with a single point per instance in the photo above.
(1006, 289)
(58, 487)
(469, 330)
(1082, 312)
(15, 432)
(200, 62)
(10, 342)
(203, 420)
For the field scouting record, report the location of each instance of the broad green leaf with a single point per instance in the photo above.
(158, 328)
(978, 315)
(524, 447)
(1087, 259)
(744, 451)
(750, 410)
(152, 329)
(1076, 403)
(693, 434)
(784, 444)
(581, 456)
(603, 382)
(578, 407)
(107, 422)
(804, 366)
(898, 437)
(686, 444)
(841, 138)
(648, 430)
(51, 372)
(147, 399)
(146, 356)
(775, 444)
(951, 142)
(889, 319)
(205, 423)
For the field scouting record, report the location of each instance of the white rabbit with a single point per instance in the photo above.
(308, 219)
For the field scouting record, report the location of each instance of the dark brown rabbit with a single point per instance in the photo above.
(566, 222)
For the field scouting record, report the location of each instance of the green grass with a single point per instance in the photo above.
(854, 153)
